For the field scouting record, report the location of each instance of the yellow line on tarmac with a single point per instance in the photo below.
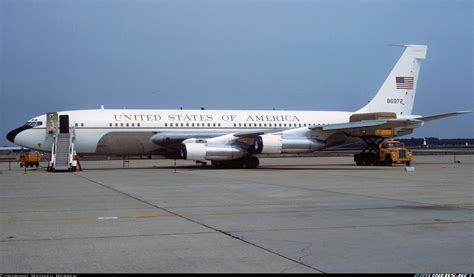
(142, 216)
(82, 218)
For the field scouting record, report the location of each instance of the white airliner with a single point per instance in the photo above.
(234, 137)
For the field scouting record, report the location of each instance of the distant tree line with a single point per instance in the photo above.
(438, 142)
(430, 142)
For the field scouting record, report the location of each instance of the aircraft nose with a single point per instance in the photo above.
(12, 134)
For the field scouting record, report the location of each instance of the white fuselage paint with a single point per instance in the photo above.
(90, 126)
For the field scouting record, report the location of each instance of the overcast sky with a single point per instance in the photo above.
(293, 55)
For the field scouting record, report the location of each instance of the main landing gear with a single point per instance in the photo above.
(245, 162)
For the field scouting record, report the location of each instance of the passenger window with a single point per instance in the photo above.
(138, 124)
(110, 124)
(127, 125)
(121, 124)
(82, 124)
(166, 124)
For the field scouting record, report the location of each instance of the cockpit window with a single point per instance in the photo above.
(34, 123)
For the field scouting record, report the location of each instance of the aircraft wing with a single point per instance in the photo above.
(167, 138)
(249, 134)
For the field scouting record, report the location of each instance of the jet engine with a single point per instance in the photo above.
(199, 150)
(277, 144)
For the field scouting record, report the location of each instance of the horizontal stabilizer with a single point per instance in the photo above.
(439, 116)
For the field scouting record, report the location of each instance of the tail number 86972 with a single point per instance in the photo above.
(395, 101)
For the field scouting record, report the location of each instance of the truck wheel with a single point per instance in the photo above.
(388, 160)
(21, 165)
(408, 163)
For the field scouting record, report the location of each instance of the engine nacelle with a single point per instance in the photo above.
(277, 144)
(201, 151)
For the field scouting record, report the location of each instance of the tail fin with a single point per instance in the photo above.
(397, 93)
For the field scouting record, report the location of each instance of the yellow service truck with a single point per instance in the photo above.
(30, 159)
(388, 152)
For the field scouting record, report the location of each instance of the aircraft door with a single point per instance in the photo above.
(51, 122)
(64, 124)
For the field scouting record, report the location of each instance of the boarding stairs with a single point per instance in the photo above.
(63, 154)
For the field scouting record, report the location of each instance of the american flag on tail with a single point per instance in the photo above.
(404, 82)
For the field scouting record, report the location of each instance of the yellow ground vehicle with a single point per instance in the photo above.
(30, 159)
(387, 153)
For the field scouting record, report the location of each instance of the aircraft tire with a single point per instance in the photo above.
(216, 164)
(251, 162)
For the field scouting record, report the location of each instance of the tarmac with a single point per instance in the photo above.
(308, 215)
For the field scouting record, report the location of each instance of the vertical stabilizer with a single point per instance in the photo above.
(397, 93)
